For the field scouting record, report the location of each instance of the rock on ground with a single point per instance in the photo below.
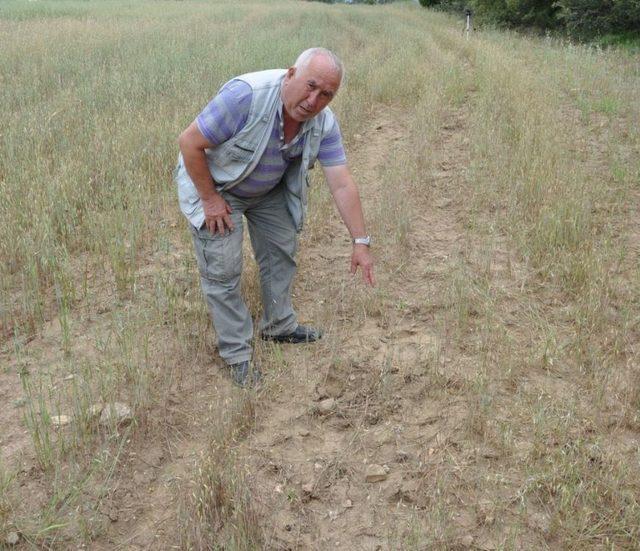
(60, 420)
(376, 473)
(116, 413)
(326, 406)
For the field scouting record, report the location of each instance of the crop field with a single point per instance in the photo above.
(491, 380)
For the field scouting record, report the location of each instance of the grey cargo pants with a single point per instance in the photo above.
(274, 242)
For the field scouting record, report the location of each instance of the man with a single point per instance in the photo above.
(248, 153)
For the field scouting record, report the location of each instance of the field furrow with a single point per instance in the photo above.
(485, 395)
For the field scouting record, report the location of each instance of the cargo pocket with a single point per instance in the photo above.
(219, 256)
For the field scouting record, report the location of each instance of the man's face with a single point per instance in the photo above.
(308, 90)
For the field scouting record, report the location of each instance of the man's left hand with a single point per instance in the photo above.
(361, 256)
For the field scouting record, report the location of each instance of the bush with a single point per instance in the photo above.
(581, 18)
(541, 14)
(588, 18)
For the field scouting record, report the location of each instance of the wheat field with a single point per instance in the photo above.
(492, 374)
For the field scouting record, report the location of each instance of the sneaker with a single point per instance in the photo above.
(245, 374)
(298, 335)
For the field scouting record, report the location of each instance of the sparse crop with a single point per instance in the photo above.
(493, 371)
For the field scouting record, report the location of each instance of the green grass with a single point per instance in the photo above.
(629, 41)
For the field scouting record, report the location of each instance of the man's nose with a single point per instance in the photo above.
(312, 100)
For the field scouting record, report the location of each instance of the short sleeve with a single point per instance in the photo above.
(226, 113)
(331, 151)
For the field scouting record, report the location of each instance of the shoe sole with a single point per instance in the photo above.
(290, 340)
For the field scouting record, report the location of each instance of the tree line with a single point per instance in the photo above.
(586, 19)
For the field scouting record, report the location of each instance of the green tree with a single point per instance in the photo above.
(516, 13)
(598, 17)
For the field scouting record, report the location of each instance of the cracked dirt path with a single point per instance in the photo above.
(309, 466)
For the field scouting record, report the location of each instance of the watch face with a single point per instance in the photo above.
(362, 240)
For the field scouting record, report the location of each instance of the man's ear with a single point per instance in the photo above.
(291, 71)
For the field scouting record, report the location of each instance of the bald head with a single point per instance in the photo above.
(330, 59)
(311, 83)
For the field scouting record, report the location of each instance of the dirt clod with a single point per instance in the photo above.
(12, 538)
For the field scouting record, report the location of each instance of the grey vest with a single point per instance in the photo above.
(233, 160)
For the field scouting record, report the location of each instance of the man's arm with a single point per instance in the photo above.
(347, 199)
(216, 210)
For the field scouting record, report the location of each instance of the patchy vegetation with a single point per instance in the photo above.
(485, 395)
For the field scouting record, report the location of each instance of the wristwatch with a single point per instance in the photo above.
(366, 240)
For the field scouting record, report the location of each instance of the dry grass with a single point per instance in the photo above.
(499, 351)
(218, 510)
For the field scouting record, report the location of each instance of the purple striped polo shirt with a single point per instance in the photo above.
(227, 113)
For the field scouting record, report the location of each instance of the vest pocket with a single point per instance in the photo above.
(242, 151)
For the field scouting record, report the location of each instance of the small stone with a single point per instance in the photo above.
(60, 420)
(376, 473)
(12, 538)
(117, 414)
(466, 541)
(304, 432)
(326, 406)
(333, 515)
(352, 378)
(357, 136)
(347, 504)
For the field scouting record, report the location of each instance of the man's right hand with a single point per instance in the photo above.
(216, 210)
(216, 215)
